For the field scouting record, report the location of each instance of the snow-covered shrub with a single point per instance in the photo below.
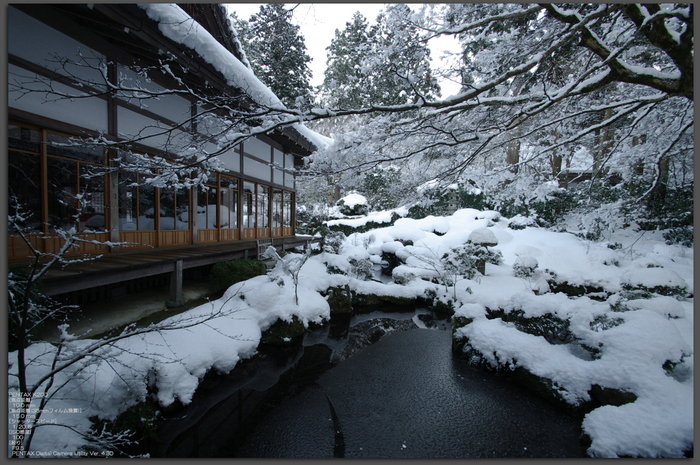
(521, 222)
(361, 268)
(683, 235)
(524, 266)
(353, 204)
(332, 241)
(645, 281)
(403, 275)
(461, 261)
(594, 229)
(225, 274)
(554, 329)
(544, 204)
(311, 220)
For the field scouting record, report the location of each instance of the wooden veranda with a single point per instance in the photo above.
(114, 268)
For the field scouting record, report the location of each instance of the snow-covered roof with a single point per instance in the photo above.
(181, 28)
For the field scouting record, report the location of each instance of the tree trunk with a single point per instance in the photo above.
(605, 144)
(657, 197)
(556, 160)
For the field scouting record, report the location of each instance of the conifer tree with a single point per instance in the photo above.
(382, 64)
(277, 53)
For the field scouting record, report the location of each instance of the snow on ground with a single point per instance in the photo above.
(635, 334)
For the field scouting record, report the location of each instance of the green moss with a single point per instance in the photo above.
(225, 274)
(554, 329)
(282, 332)
(364, 303)
(140, 421)
(339, 299)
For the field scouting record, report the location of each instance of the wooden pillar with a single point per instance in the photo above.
(113, 201)
(194, 215)
(176, 298)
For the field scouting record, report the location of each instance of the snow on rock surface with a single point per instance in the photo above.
(637, 345)
(650, 278)
(483, 236)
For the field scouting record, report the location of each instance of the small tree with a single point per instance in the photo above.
(290, 264)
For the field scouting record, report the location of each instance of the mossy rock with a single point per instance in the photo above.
(392, 261)
(282, 332)
(142, 421)
(594, 292)
(430, 301)
(457, 323)
(339, 299)
(609, 396)
(639, 291)
(554, 329)
(365, 303)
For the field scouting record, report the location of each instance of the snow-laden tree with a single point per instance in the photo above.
(543, 85)
(277, 53)
(546, 89)
(385, 63)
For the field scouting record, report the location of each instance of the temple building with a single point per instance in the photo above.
(70, 68)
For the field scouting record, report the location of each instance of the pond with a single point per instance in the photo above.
(405, 396)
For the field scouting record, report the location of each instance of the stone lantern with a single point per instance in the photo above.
(483, 237)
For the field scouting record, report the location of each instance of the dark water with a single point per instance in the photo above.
(407, 397)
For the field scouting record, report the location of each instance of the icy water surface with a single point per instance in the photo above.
(407, 397)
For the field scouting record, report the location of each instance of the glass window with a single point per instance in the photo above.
(258, 149)
(137, 200)
(248, 205)
(128, 201)
(24, 189)
(174, 208)
(287, 213)
(167, 208)
(229, 202)
(263, 206)
(22, 138)
(206, 207)
(276, 208)
(62, 192)
(75, 148)
(92, 186)
(182, 206)
(147, 206)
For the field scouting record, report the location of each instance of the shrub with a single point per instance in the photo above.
(332, 241)
(361, 269)
(682, 235)
(524, 267)
(225, 274)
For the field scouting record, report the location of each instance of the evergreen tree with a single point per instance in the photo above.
(345, 84)
(385, 64)
(400, 61)
(277, 53)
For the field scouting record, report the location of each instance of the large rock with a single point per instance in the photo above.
(365, 303)
(339, 299)
(283, 332)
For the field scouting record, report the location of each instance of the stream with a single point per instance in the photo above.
(377, 386)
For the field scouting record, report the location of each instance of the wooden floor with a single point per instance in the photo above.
(114, 268)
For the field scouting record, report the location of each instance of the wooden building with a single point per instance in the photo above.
(61, 47)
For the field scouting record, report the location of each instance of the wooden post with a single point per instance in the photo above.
(176, 299)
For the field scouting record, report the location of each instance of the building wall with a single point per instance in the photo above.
(49, 167)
